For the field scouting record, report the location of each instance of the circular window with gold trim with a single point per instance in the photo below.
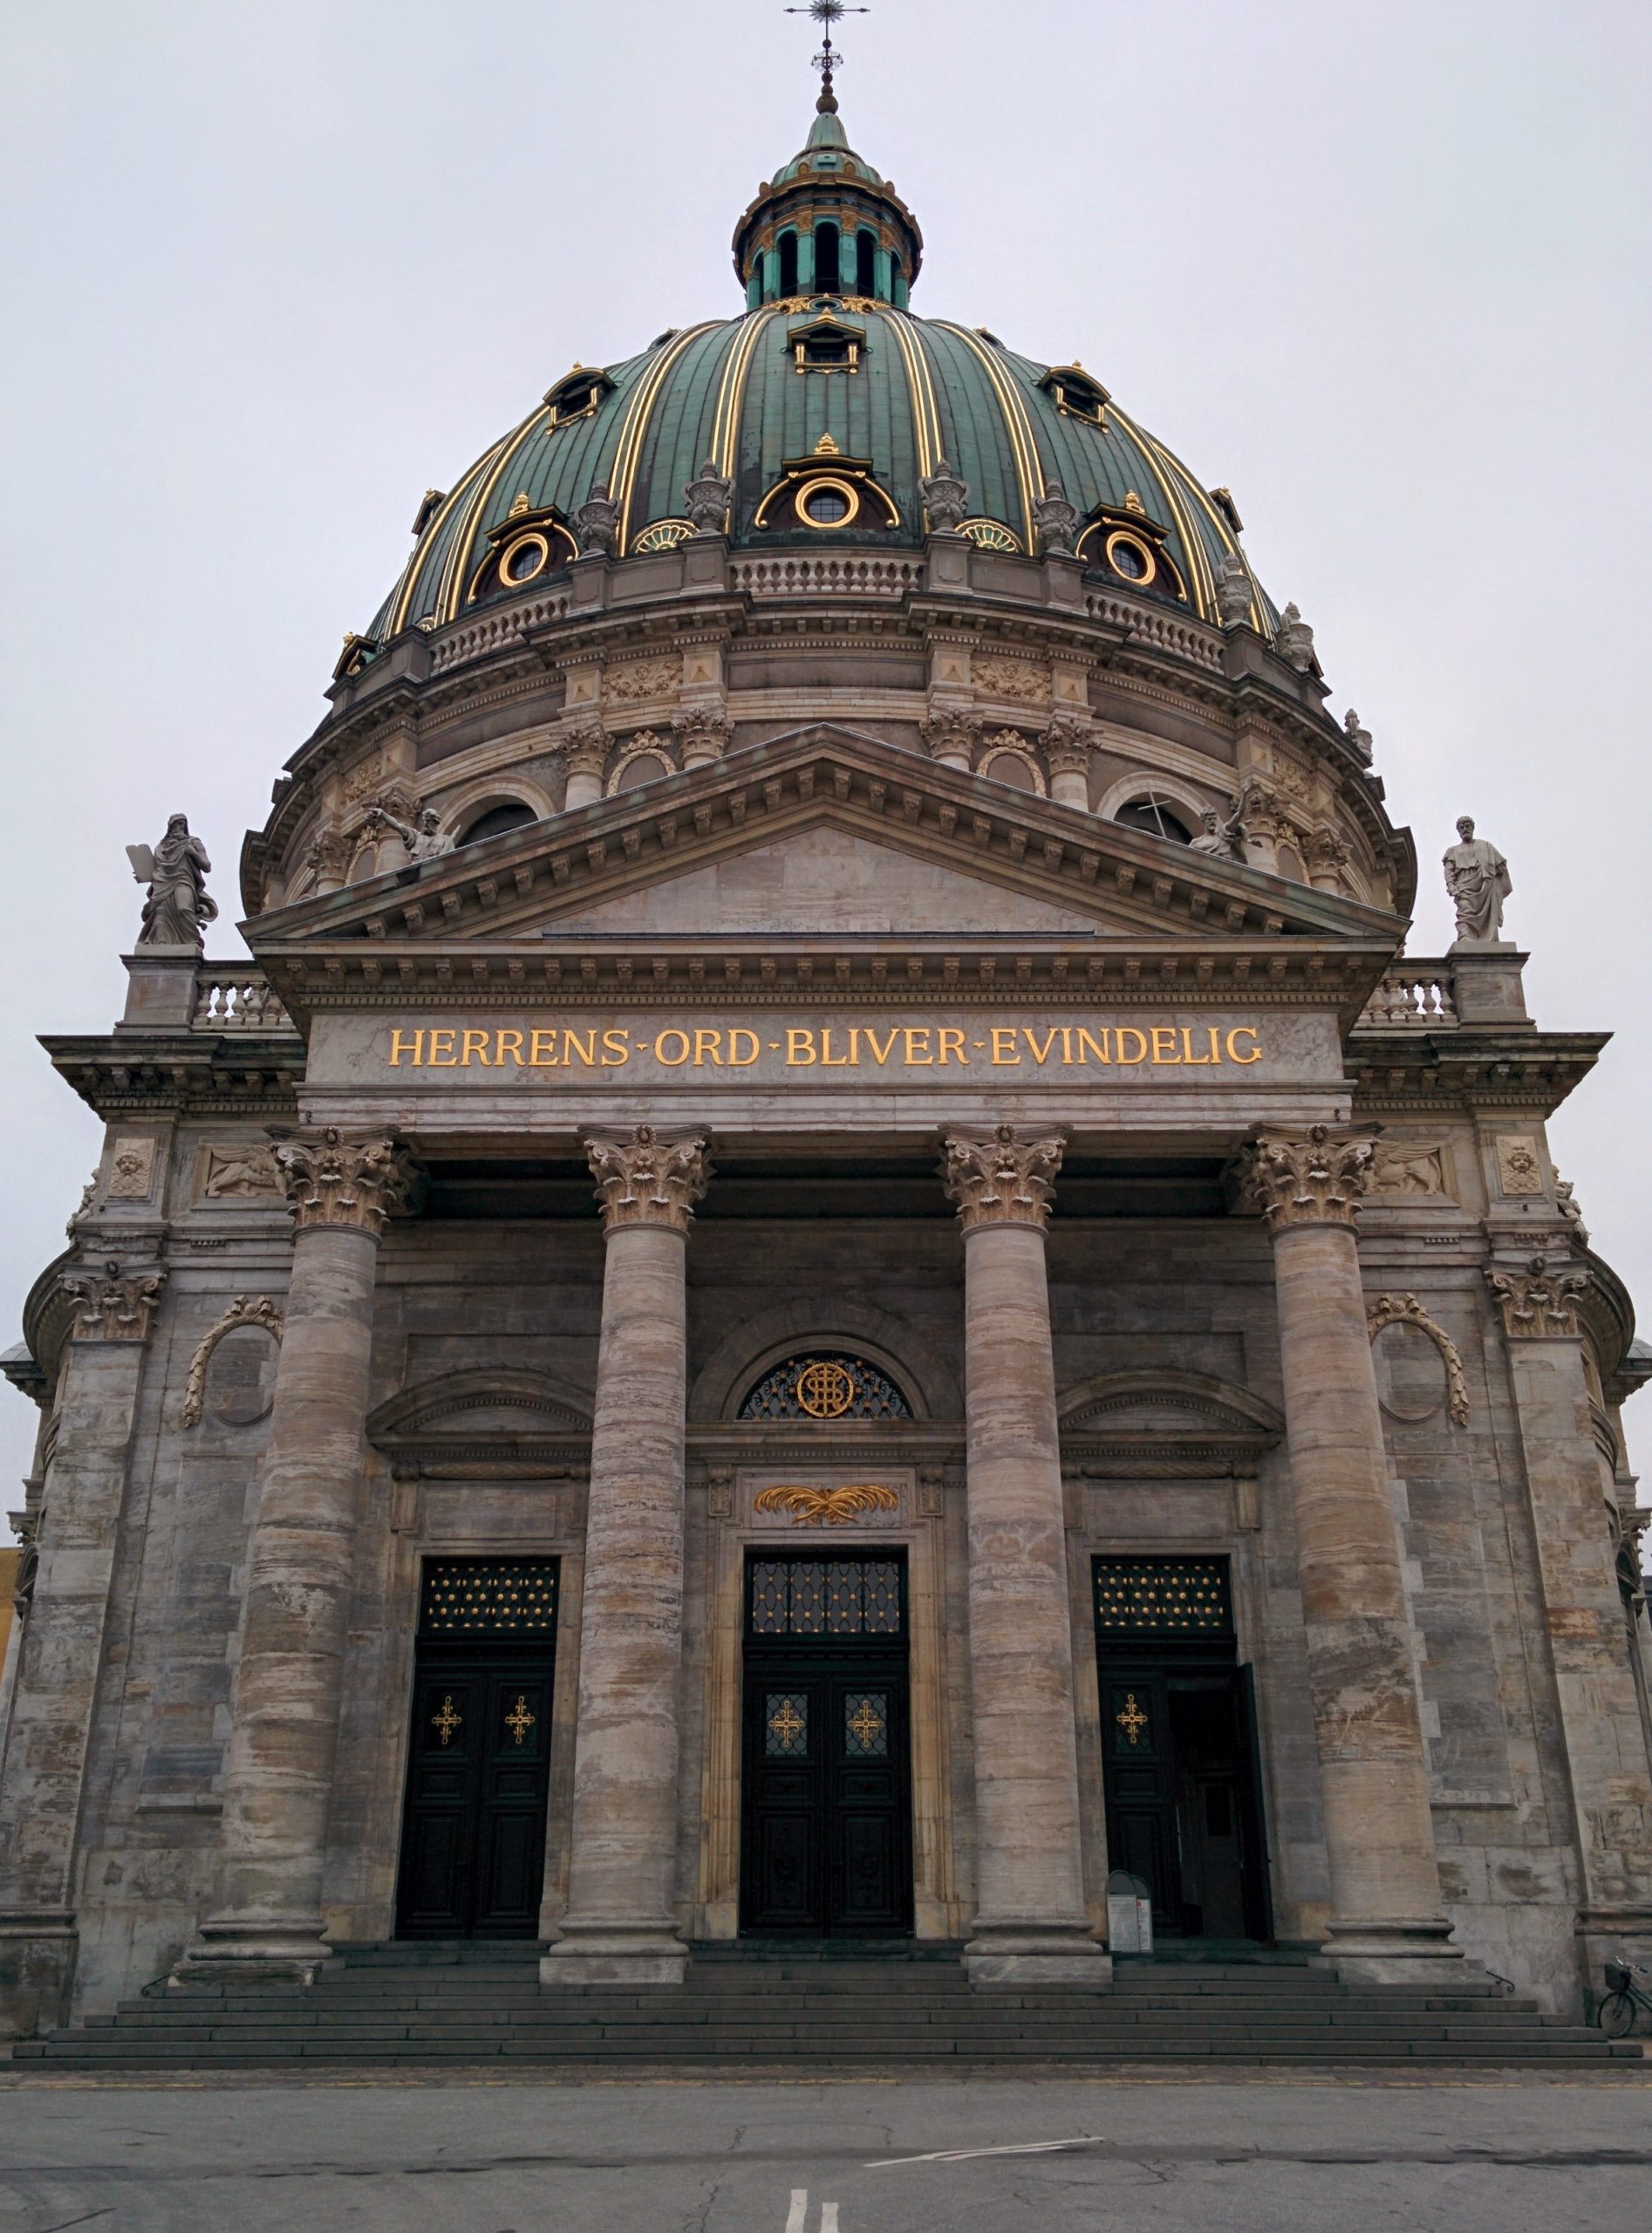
(524, 558)
(1131, 558)
(828, 504)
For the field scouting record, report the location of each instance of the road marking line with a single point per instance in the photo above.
(967, 2154)
(829, 2217)
(799, 2210)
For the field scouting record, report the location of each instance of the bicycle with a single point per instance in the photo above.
(1624, 1998)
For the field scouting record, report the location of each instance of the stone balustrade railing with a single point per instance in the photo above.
(228, 999)
(827, 574)
(1413, 993)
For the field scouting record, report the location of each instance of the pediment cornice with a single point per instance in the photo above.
(1127, 883)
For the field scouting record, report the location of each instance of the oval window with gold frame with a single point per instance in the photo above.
(1131, 558)
(828, 504)
(524, 558)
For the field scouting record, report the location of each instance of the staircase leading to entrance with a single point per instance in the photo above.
(838, 2009)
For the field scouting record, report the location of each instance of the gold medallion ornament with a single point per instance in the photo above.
(447, 1721)
(825, 1390)
(519, 1721)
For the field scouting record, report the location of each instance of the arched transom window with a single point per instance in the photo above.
(825, 1384)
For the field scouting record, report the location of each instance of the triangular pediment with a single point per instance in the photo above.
(987, 859)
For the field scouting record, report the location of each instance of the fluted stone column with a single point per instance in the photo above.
(267, 1911)
(620, 1927)
(1387, 1924)
(1600, 1708)
(42, 1772)
(1030, 1924)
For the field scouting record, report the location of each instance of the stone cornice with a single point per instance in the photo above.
(354, 1185)
(1003, 1180)
(648, 1181)
(183, 1073)
(1310, 1179)
(1469, 1066)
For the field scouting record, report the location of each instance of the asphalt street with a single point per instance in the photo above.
(918, 2156)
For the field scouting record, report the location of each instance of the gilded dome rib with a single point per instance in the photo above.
(1023, 445)
(628, 453)
(920, 387)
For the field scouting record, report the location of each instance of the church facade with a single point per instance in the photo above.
(830, 1276)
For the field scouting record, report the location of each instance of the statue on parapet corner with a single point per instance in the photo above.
(424, 837)
(1223, 837)
(707, 500)
(1233, 592)
(178, 905)
(1477, 877)
(596, 524)
(945, 498)
(1056, 519)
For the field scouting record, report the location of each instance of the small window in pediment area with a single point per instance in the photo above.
(577, 394)
(1077, 393)
(827, 346)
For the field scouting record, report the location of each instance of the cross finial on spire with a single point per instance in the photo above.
(826, 12)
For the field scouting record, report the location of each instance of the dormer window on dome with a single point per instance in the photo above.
(1123, 542)
(525, 545)
(1077, 393)
(576, 394)
(827, 492)
(826, 344)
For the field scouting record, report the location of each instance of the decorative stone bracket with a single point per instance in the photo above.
(648, 1181)
(1406, 1310)
(1003, 1180)
(245, 1310)
(111, 1307)
(1539, 1304)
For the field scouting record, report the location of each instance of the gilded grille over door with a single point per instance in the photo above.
(474, 1831)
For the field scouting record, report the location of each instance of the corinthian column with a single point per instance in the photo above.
(1030, 1924)
(42, 1772)
(267, 1912)
(620, 1928)
(1387, 1924)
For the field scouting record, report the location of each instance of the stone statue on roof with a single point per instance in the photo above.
(945, 498)
(707, 500)
(1477, 877)
(1222, 837)
(1054, 518)
(1233, 592)
(423, 837)
(595, 524)
(178, 905)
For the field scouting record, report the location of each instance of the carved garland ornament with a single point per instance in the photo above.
(1539, 1304)
(1312, 1179)
(331, 1180)
(648, 1181)
(245, 1310)
(827, 1507)
(1406, 1310)
(109, 1308)
(1003, 1180)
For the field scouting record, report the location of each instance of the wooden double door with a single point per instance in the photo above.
(472, 1854)
(1184, 1801)
(826, 1806)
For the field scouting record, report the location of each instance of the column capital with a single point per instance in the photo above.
(645, 1180)
(1002, 1180)
(1538, 1303)
(1312, 1178)
(113, 1306)
(353, 1184)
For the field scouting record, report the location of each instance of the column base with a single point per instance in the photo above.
(624, 1955)
(38, 1957)
(1002, 1957)
(1398, 1950)
(257, 1951)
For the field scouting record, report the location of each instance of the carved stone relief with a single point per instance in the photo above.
(131, 1171)
(233, 1370)
(1409, 1167)
(1418, 1366)
(635, 679)
(1017, 678)
(240, 1172)
(1519, 1169)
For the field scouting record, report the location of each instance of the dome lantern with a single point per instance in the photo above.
(827, 223)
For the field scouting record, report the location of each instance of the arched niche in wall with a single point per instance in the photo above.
(1165, 1424)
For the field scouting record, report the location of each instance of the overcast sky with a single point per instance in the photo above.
(271, 272)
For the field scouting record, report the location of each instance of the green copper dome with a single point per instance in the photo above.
(837, 382)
